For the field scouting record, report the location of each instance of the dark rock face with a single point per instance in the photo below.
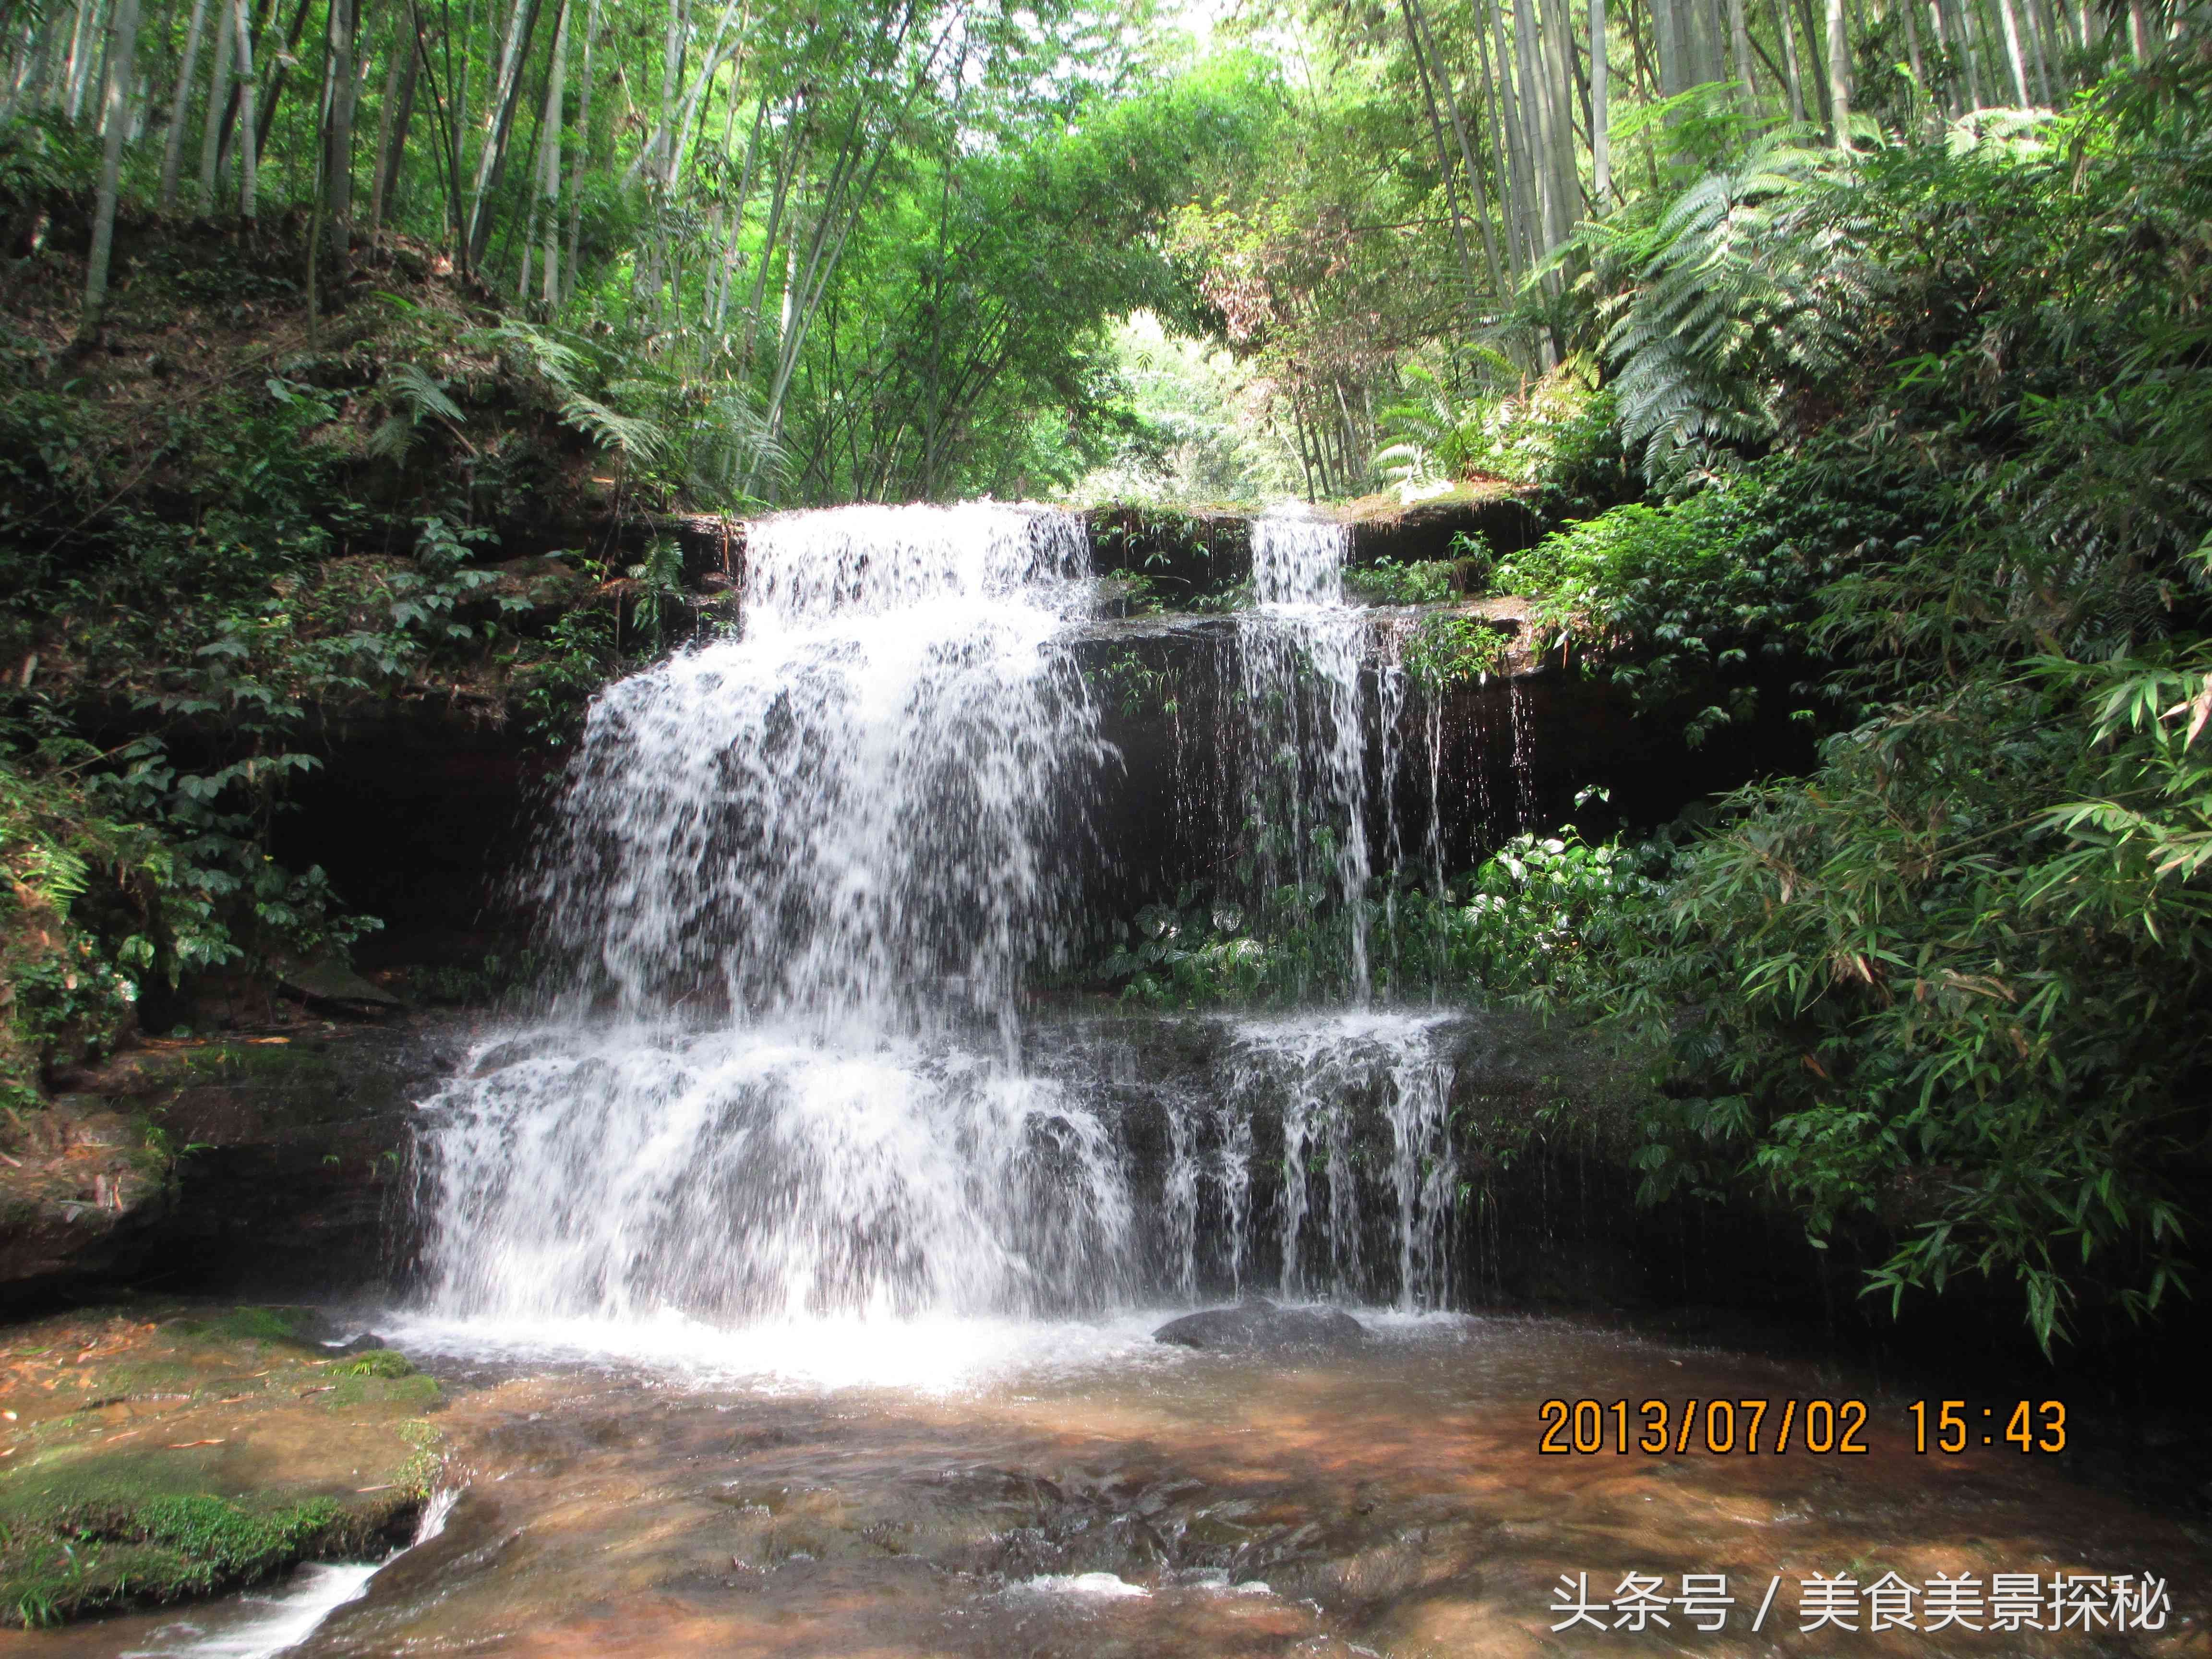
(1263, 1327)
(268, 1164)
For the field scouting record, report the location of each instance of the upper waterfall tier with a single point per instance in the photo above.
(1299, 559)
(877, 559)
(849, 816)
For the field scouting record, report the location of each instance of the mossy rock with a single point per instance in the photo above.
(86, 1533)
(376, 1362)
(294, 1326)
(168, 1452)
(408, 1395)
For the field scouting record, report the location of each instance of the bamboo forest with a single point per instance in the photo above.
(1200, 828)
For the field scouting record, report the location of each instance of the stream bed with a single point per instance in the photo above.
(972, 1487)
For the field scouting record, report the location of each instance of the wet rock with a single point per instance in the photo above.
(171, 1450)
(334, 982)
(77, 1184)
(263, 1163)
(1263, 1327)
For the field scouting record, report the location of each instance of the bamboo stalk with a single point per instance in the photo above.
(173, 143)
(1789, 58)
(225, 38)
(1839, 76)
(122, 39)
(548, 180)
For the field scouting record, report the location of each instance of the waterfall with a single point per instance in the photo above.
(803, 870)
(1345, 1117)
(798, 877)
(1299, 844)
(844, 817)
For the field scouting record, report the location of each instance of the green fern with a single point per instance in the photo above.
(1758, 270)
(414, 397)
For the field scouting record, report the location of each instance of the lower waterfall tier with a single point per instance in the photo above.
(624, 1172)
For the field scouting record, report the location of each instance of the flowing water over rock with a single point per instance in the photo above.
(850, 818)
(793, 1283)
(802, 874)
(1300, 846)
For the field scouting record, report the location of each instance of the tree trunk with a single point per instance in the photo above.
(248, 158)
(1600, 76)
(505, 99)
(1444, 158)
(397, 116)
(550, 174)
(702, 93)
(530, 227)
(1536, 129)
(1962, 30)
(343, 28)
(79, 67)
(266, 121)
(1557, 58)
(1839, 76)
(1947, 96)
(122, 45)
(1740, 39)
(1807, 18)
(460, 80)
(1913, 44)
(731, 252)
(173, 145)
(2040, 32)
(2013, 53)
(793, 148)
(583, 153)
(1508, 189)
(1670, 47)
(226, 40)
(1519, 148)
(1789, 58)
(671, 56)
(36, 89)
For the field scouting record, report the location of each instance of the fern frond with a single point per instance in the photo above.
(413, 387)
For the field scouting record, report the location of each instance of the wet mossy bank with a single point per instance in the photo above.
(161, 1451)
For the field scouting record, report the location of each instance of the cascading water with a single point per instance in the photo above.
(844, 819)
(806, 868)
(801, 874)
(1301, 843)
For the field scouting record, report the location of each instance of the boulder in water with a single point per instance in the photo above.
(1260, 1326)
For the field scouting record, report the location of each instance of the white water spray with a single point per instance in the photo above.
(801, 874)
(845, 817)
(807, 867)
(1301, 844)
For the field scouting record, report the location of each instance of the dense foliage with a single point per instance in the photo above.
(1954, 982)
(1923, 434)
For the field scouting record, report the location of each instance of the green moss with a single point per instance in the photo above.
(376, 1362)
(79, 1534)
(413, 1394)
(250, 1325)
(229, 1540)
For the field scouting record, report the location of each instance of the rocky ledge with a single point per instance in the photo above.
(267, 1156)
